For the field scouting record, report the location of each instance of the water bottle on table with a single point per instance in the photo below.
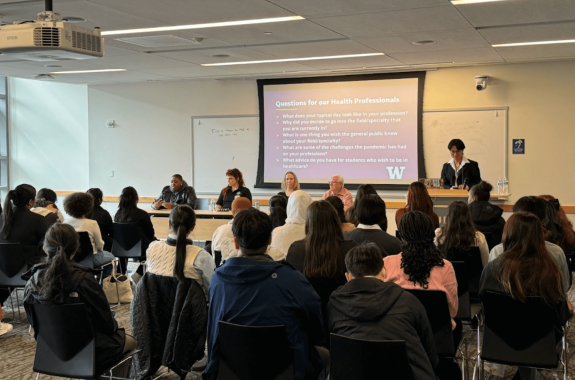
(499, 185)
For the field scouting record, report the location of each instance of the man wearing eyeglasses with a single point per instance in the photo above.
(336, 188)
(459, 172)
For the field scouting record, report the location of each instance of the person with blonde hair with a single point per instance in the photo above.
(289, 184)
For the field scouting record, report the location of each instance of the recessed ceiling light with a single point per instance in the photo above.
(536, 43)
(459, 2)
(201, 26)
(292, 59)
(268, 33)
(423, 42)
(53, 66)
(219, 56)
(86, 71)
(74, 20)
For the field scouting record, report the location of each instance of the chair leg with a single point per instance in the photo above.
(37, 376)
(18, 305)
(12, 304)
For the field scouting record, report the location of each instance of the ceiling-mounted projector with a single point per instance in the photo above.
(49, 38)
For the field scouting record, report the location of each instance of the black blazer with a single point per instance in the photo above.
(469, 170)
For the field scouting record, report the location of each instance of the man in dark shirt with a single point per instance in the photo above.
(177, 193)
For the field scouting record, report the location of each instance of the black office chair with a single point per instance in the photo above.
(519, 334)
(66, 345)
(12, 266)
(355, 359)
(254, 353)
(473, 267)
(218, 258)
(85, 255)
(126, 243)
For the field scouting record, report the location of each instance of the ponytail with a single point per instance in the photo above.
(182, 219)
(20, 197)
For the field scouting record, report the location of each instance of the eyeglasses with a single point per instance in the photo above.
(454, 152)
(332, 182)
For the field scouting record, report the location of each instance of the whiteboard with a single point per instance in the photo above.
(484, 132)
(222, 143)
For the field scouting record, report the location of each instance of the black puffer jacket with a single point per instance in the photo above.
(82, 287)
(370, 309)
(487, 218)
(169, 321)
(185, 196)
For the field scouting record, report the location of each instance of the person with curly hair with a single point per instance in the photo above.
(235, 189)
(418, 199)
(420, 265)
(77, 206)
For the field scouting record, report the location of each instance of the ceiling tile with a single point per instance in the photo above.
(266, 68)
(204, 56)
(481, 55)
(529, 33)
(537, 52)
(351, 63)
(189, 71)
(144, 61)
(314, 49)
(395, 22)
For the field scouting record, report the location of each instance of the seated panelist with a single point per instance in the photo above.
(177, 193)
(235, 189)
(459, 172)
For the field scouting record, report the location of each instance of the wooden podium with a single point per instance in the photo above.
(442, 198)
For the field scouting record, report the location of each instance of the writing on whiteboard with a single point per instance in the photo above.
(225, 132)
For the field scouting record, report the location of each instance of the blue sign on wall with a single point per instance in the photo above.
(518, 146)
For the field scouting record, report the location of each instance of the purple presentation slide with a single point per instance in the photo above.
(365, 131)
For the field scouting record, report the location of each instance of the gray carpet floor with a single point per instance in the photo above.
(17, 350)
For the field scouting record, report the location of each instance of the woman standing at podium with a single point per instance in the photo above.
(459, 169)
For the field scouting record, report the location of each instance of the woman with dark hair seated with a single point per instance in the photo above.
(320, 256)
(278, 213)
(101, 216)
(560, 227)
(47, 209)
(370, 211)
(50, 195)
(486, 216)
(60, 281)
(524, 269)
(418, 199)
(338, 206)
(459, 234)
(362, 191)
(128, 212)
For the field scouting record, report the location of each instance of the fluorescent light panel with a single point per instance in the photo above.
(292, 59)
(536, 43)
(202, 26)
(86, 71)
(459, 2)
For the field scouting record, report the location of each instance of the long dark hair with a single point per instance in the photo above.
(19, 197)
(60, 244)
(278, 213)
(418, 199)
(337, 204)
(370, 210)
(182, 219)
(128, 202)
(98, 198)
(567, 238)
(322, 242)
(419, 254)
(237, 174)
(458, 233)
(526, 268)
(362, 191)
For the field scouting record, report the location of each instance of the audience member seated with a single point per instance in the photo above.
(486, 216)
(320, 255)
(368, 308)
(526, 268)
(5, 328)
(418, 199)
(370, 211)
(177, 193)
(362, 191)
(536, 206)
(50, 195)
(61, 281)
(294, 229)
(338, 206)
(563, 234)
(336, 188)
(101, 216)
(278, 213)
(235, 189)
(128, 212)
(254, 290)
(289, 185)
(47, 209)
(77, 206)
(20, 225)
(169, 309)
(459, 234)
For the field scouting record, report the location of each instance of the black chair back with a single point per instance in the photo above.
(464, 311)
(65, 341)
(474, 267)
(12, 265)
(435, 304)
(254, 353)
(85, 255)
(126, 240)
(218, 258)
(490, 239)
(397, 234)
(354, 359)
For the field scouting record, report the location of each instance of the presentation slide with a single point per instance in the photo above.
(366, 131)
